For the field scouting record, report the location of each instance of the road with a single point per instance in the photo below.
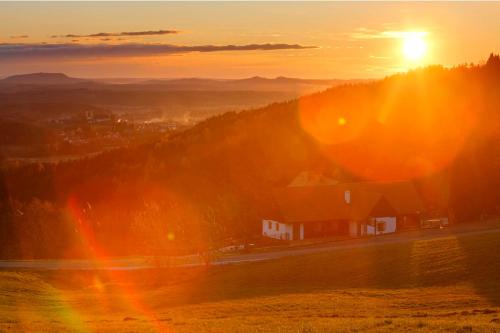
(405, 237)
(192, 261)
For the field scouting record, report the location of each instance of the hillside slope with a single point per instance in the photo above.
(436, 126)
(440, 285)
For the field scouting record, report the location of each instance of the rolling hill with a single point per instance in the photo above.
(443, 284)
(187, 99)
(436, 126)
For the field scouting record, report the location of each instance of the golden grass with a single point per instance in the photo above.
(448, 284)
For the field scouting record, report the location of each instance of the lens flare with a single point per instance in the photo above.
(130, 298)
(403, 128)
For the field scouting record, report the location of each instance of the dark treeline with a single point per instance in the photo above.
(215, 181)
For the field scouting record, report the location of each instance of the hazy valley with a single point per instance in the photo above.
(65, 116)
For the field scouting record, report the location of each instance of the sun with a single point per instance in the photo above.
(414, 46)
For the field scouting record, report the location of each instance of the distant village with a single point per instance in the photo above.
(91, 132)
(106, 126)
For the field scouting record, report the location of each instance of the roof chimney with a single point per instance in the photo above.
(347, 196)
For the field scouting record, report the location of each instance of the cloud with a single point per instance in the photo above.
(19, 37)
(364, 33)
(379, 57)
(119, 34)
(66, 50)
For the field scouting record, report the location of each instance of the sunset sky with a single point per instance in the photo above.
(241, 39)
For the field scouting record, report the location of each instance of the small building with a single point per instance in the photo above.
(343, 210)
(307, 178)
(281, 230)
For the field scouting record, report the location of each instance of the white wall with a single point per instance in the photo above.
(389, 223)
(284, 231)
(277, 230)
(353, 228)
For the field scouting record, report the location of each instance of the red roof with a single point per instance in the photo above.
(367, 199)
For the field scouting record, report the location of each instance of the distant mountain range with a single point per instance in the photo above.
(43, 96)
(254, 83)
(279, 84)
(41, 79)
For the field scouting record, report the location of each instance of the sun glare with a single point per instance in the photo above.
(414, 46)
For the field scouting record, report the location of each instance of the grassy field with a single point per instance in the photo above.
(447, 284)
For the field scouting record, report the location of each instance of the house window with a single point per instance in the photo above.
(380, 226)
(269, 225)
(277, 226)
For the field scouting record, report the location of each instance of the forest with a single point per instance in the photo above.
(212, 184)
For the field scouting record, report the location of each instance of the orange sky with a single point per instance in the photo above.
(347, 40)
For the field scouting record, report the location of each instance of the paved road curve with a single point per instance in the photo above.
(190, 261)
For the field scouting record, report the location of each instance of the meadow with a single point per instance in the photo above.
(448, 284)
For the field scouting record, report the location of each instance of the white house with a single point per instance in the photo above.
(350, 209)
